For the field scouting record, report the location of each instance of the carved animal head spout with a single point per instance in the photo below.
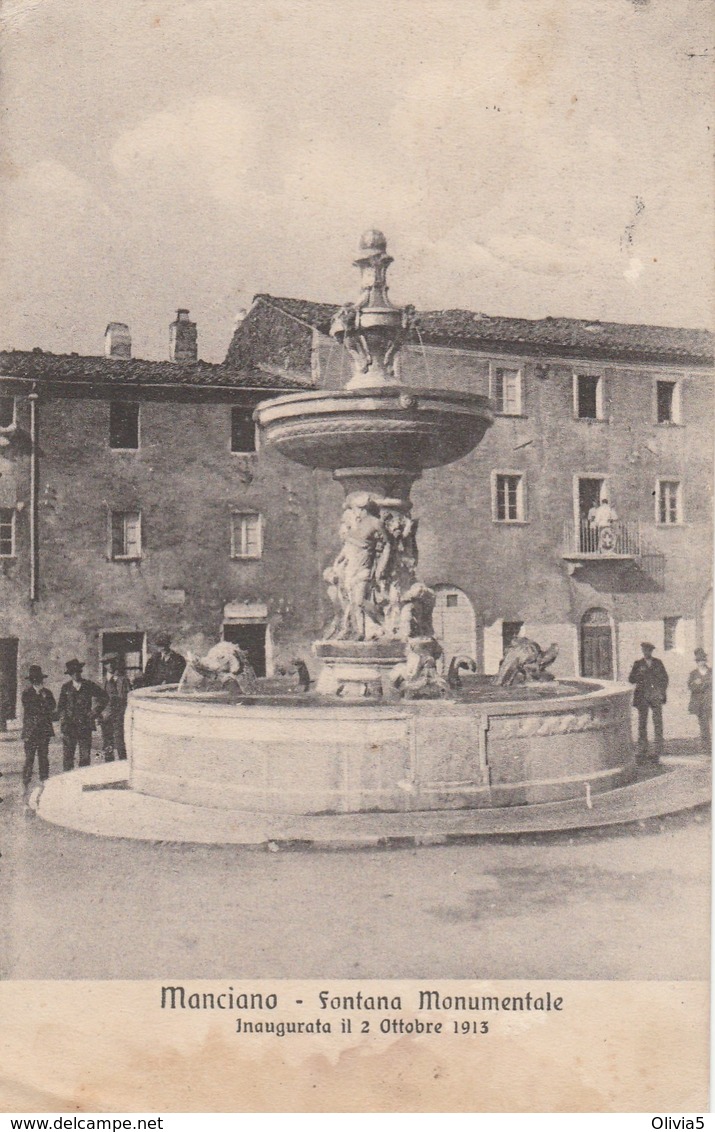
(224, 668)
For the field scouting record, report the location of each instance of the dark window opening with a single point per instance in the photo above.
(8, 679)
(251, 637)
(451, 601)
(587, 396)
(243, 430)
(7, 411)
(123, 424)
(670, 630)
(129, 648)
(510, 630)
(665, 393)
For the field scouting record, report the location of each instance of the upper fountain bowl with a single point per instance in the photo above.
(385, 426)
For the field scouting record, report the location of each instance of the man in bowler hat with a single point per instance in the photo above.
(117, 687)
(700, 686)
(651, 681)
(164, 666)
(80, 705)
(38, 712)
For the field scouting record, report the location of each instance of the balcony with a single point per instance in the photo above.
(584, 541)
(584, 544)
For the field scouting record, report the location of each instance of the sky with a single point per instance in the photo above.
(524, 157)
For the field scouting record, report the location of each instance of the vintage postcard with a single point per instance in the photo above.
(356, 423)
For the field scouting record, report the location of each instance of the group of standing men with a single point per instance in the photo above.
(650, 678)
(82, 704)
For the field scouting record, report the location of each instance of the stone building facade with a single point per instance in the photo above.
(147, 508)
(584, 411)
(132, 499)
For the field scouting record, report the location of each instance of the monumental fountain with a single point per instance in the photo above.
(389, 745)
(384, 731)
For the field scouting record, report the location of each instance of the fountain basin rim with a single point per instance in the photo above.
(167, 698)
(413, 397)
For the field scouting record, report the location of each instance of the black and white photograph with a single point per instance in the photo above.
(356, 540)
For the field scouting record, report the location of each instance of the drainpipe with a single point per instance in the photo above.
(34, 469)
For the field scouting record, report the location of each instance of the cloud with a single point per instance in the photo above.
(213, 141)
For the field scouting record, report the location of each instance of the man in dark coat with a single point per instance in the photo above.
(700, 685)
(651, 681)
(117, 687)
(39, 707)
(164, 666)
(80, 705)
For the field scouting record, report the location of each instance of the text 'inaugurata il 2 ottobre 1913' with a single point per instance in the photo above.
(360, 1012)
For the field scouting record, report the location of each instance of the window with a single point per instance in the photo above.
(506, 390)
(588, 396)
(508, 497)
(670, 633)
(7, 532)
(243, 430)
(451, 601)
(7, 411)
(246, 535)
(126, 535)
(667, 395)
(669, 507)
(509, 631)
(123, 424)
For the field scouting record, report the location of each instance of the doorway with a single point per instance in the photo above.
(251, 637)
(129, 647)
(455, 625)
(8, 679)
(597, 645)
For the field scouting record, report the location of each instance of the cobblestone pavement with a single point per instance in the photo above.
(626, 903)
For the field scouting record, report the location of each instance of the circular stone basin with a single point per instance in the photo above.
(383, 426)
(307, 754)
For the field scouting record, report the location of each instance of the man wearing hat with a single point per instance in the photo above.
(651, 681)
(164, 666)
(38, 712)
(700, 685)
(117, 687)
(81, 703)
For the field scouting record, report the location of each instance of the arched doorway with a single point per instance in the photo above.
(597, 645)
(455, 624)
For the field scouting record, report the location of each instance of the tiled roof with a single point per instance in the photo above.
(545, 336)
(36, 365)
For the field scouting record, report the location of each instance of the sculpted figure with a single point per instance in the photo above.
(225, 668)
(416, 608)
(344, 327)
(354, 572)
(525, 661)
(417, 677)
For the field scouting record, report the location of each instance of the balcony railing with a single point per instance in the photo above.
(584, 540)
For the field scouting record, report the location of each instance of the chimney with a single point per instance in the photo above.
(117, 341)
(182, 338)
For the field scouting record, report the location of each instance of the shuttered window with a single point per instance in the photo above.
(126, 534)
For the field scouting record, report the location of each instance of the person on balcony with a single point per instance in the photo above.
(700, 686)
(601, 520)
(651, 681)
